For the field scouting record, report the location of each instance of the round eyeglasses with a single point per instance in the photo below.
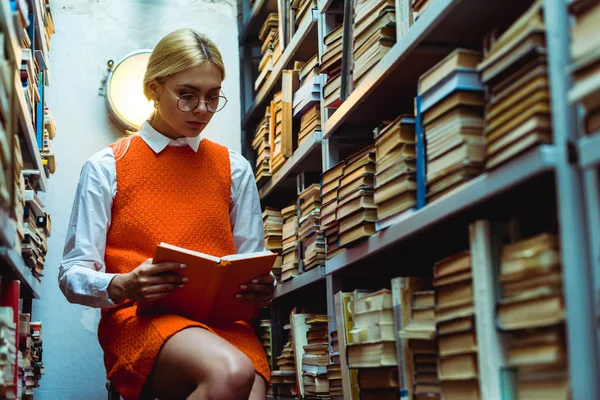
(189, 102)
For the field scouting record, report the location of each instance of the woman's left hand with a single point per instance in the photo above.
(259, 291)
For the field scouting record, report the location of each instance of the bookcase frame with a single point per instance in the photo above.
(572, 162)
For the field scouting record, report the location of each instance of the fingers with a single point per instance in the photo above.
(167, 278)
(264, 279)
(162, 288)
(260, 288)
(160, 268)
(254, 297)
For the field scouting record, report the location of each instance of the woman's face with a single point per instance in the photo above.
(203, 81)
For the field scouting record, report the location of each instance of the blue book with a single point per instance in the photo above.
(39, 113)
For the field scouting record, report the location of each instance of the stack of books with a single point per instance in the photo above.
(316, 357)
(289, 268)
(260, 144)
(372, 346)
(27, 357)
(310, 233)
(302, 11)
(265, 337)
(395, 170)
(417, 335)
(452, 102)
(34, 245)
(329, 201)
(19, 194)
(331, 65)
(270, 49)
(356, 212)
(514, 70)
(36, 336)
(8, 351)
(532, 308)
(585, 53)
(334, 370)
(373, 35)
(273, 227)
(308, 93)
(278, 145)
(283, 378)
(457, 339)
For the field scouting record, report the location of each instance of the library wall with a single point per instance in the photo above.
(87, 35)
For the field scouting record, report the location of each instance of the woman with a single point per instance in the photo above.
(167, 184)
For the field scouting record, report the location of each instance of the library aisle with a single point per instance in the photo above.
(428, 174)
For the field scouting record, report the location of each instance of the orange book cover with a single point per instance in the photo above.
(210, 294)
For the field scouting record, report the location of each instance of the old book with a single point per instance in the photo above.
(210, 293)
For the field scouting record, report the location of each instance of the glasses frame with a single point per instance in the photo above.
(198, 103)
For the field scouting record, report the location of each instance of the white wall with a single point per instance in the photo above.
(88, 34)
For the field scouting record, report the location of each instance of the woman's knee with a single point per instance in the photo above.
(232, 377)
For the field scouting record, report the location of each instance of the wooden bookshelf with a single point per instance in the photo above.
(547, 182)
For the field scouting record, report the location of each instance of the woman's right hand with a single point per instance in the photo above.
(147, 282)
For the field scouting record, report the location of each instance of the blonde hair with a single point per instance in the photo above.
(178, 51)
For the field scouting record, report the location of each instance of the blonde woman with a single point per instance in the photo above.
(166, 183)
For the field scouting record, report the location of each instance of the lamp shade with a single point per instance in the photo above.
(124, 90)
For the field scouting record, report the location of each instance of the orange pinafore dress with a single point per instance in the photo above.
(180, 197)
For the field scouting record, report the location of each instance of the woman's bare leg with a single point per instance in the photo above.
(259, 389)
(197, 364)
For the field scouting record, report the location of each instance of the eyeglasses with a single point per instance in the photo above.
(189, 102)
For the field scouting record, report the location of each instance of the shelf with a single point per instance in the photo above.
(445, 25)
(302, 47)
(307, 157)
(30, 286)
(472, 193)
(30, 137)
(8, 230)
(258, 15)
(589, 151)
(302, 280)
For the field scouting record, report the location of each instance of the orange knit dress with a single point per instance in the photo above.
(180, 197)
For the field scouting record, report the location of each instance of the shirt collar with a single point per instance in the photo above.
(157, 141)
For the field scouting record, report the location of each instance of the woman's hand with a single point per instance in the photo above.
(259, 291)
(147, 282)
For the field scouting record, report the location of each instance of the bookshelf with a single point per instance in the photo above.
(27, 129)
(253, 17)
(557, 181)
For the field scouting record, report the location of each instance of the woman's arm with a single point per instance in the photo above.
(80, 274)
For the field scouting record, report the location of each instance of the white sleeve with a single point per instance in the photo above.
(245, 211)
(80, 274)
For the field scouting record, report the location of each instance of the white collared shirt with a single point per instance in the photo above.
(81, 274)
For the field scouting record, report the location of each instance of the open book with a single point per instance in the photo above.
(210, 294)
